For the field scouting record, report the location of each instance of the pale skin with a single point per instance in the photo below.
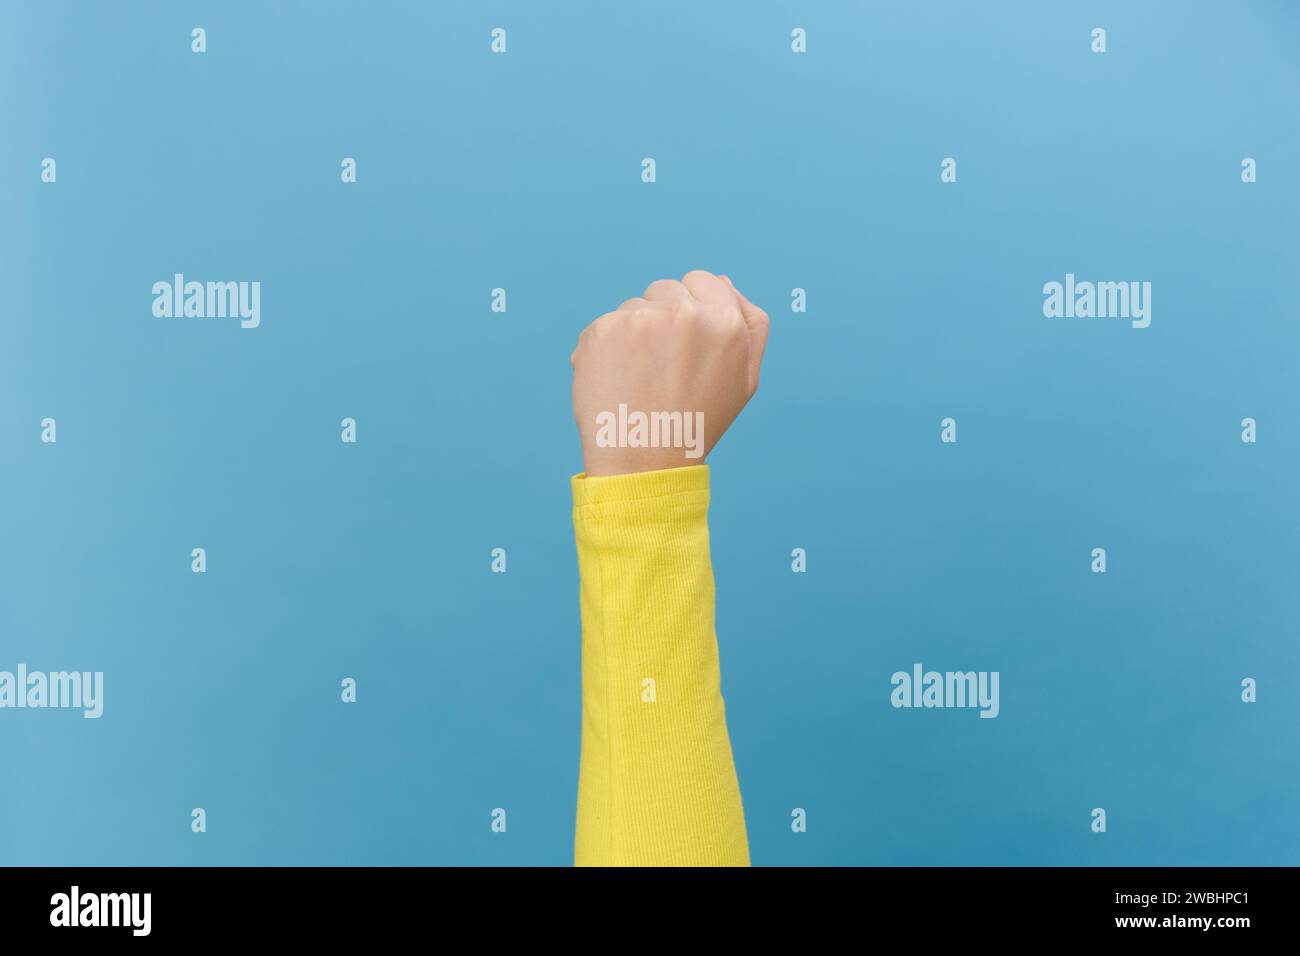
(694, 345)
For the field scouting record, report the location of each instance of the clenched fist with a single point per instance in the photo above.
(658, 380)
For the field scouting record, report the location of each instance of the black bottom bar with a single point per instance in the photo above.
(215, 905)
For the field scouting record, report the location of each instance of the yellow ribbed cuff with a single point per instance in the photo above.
(620, 490)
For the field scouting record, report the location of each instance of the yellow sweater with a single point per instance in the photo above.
(657, 785)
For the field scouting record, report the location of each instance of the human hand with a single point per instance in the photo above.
(657, 381)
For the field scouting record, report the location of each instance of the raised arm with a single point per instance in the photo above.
(656, 383)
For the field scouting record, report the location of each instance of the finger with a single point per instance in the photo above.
(668, 291)
(748, 309)
(709, 290)
(759, 325)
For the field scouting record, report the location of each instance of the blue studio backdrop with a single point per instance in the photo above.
(1161, 690)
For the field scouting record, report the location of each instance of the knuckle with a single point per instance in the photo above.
(665, 287)
(732, 322)
(683, 305)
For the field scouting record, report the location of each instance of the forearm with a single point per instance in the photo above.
(657, 784)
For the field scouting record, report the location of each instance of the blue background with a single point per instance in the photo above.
(522, 171)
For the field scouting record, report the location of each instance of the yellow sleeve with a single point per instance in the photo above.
(657, 785)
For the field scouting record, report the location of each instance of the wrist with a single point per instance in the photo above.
(603, 466)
